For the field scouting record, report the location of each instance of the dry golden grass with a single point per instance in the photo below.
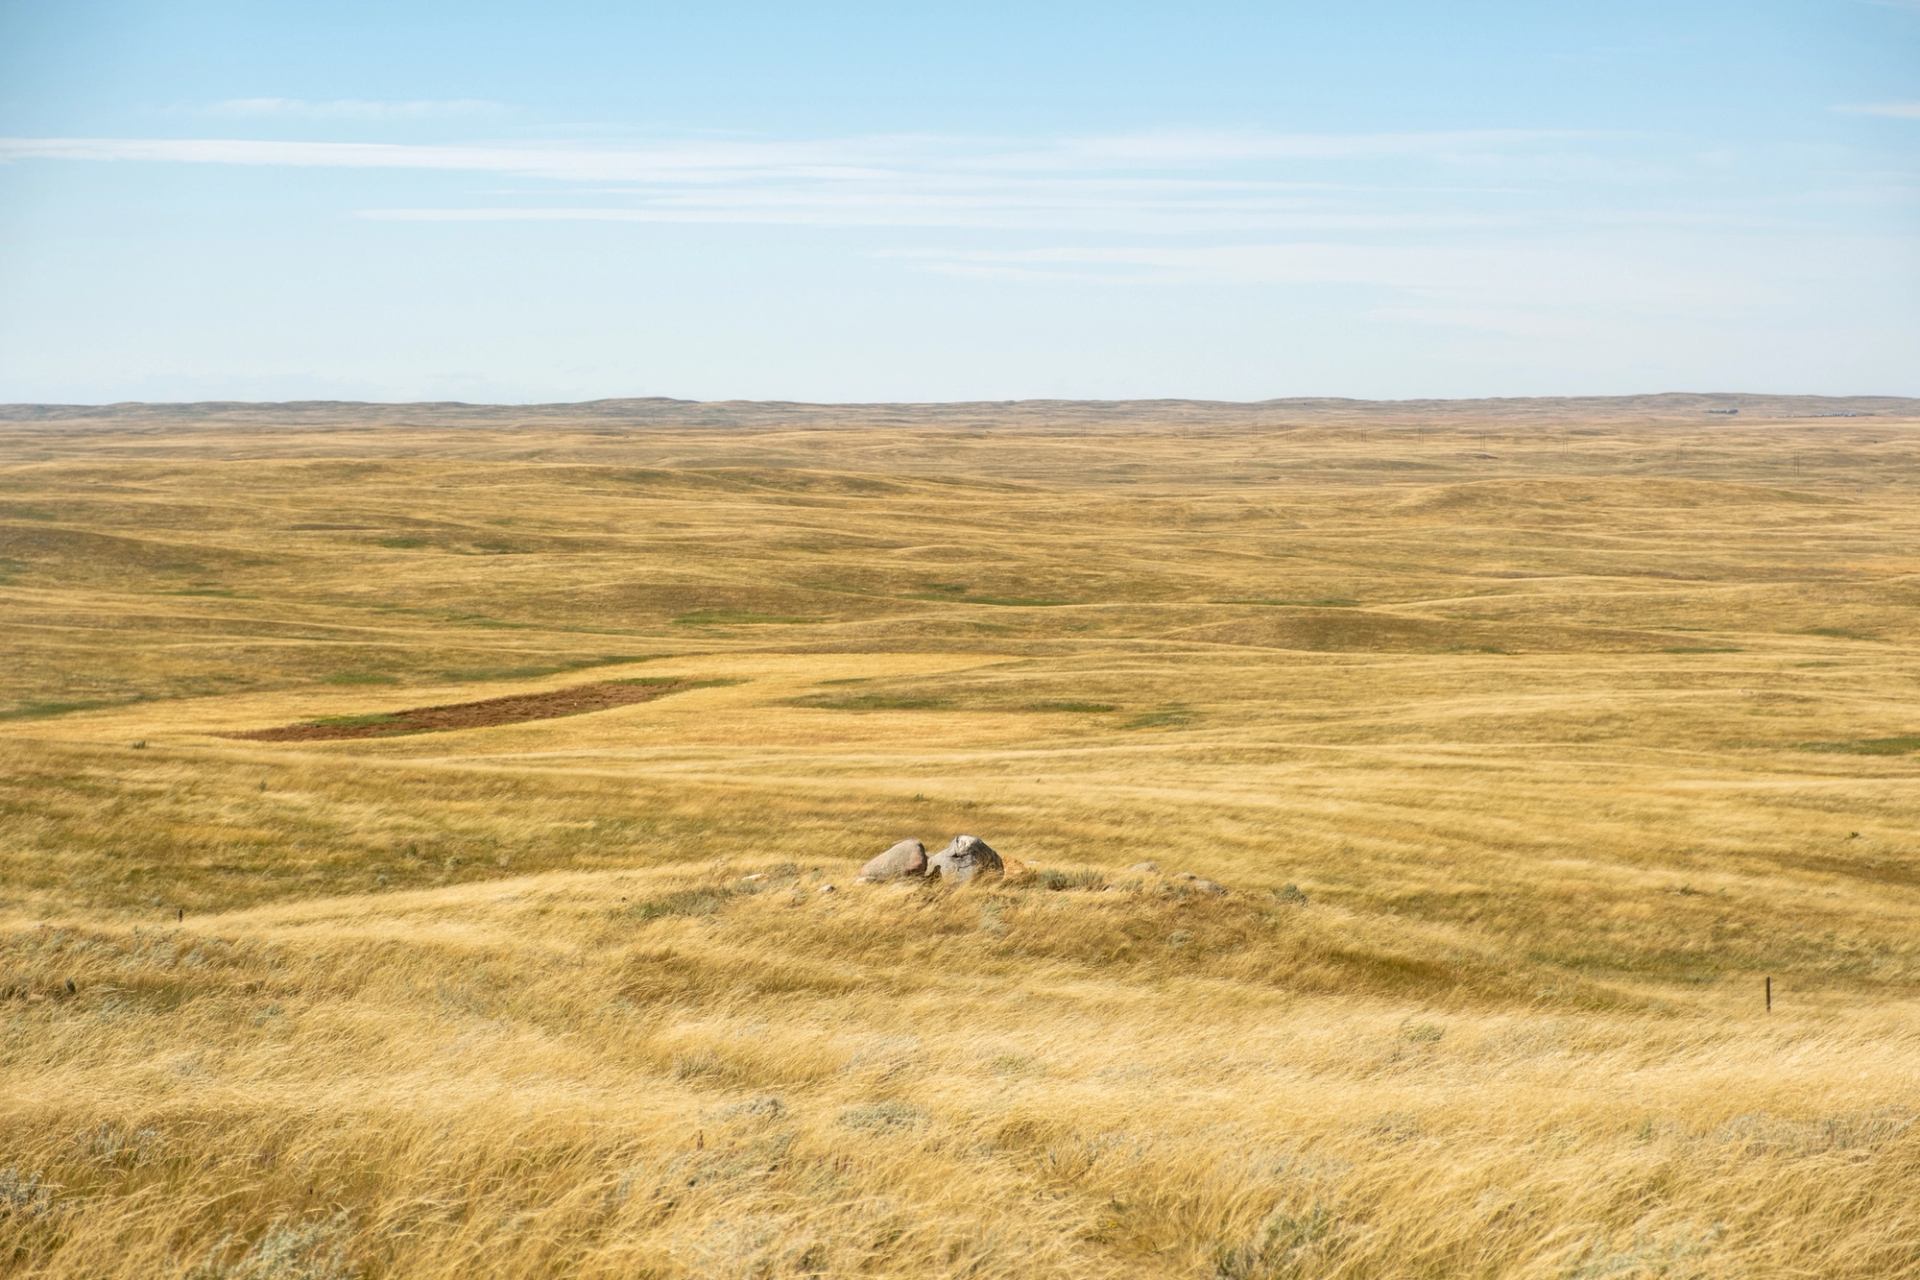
(1530, 738)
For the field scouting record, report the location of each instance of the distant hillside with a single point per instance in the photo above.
(663, 411)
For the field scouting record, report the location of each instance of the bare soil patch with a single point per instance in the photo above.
(512, 709)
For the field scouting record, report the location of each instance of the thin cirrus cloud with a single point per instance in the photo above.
(980, 211)
(668, 161)
(1497, 235)
(1401, 267)
(359, 109)
(1893, 110)
(1140, 151)
(1198, 148)
(1463, 227)
(1161, 182)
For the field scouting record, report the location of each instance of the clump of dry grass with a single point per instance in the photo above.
(1500, 743)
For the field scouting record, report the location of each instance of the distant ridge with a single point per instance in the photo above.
(669, 411)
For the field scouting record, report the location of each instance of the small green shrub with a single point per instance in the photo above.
(883, 1117)
(288, 1250)
(703, 901)
(1286, 1245)
(23, 1195)
(1058, 880)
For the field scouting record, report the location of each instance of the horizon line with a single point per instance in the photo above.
(662, 400)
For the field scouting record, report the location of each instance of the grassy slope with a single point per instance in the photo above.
(1569, 722)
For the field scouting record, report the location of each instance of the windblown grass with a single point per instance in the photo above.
(1529, 740)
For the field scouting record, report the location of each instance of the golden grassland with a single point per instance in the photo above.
(1529, 737)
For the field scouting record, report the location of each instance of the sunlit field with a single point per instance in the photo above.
(1529, 740)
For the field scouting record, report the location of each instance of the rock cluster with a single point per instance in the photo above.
(965, 858)
(968, 858)
(906, 859)
(1201, 883)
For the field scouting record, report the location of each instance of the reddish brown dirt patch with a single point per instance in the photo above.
(513, 709)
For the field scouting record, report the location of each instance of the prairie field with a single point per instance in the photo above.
(1533, 742)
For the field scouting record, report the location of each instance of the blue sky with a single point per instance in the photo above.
(863, 202)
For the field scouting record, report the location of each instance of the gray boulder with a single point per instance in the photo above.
(965, 858)
(1200, 884)
(908, 858)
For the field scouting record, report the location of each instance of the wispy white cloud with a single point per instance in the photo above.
(1153, 183)
(1896, 110)
(675, 161)
(1202, 148)
(980, 211)
(1443, 228)
(1132, 153)
(358, 109)
(1294, 262)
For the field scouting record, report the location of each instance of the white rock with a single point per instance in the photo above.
(903, 861)
(964, 858)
